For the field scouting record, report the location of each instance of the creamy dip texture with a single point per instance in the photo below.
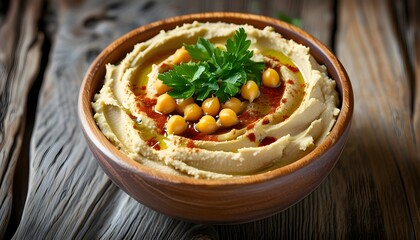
(282, 124)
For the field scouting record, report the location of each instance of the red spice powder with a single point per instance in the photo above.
(292, 68)
(272, 96)
(246, 119)
(250, 126)
(270, 65)
(267, 141)
(290, 81)
(251, 137)
(148, 102)
(146, 105)
(265, 121)
(190, 144)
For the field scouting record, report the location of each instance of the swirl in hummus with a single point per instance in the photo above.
(280, 126)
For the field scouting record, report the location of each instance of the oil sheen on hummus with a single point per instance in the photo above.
(302, 113)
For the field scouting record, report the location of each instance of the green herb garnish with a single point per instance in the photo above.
(214, 71)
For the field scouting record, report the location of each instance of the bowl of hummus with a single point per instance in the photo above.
(216, 117)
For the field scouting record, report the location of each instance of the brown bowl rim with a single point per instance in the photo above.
(92, 132)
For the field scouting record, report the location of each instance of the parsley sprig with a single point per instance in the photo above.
(214, 71)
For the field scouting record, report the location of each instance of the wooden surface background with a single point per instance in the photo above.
(53, 188)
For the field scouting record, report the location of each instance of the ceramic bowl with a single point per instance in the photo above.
(216, 201)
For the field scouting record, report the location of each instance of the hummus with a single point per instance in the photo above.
(282, 125)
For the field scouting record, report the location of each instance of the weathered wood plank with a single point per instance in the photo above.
(319, 19)
(380, 163)
(19, 64)
(409, 33)
(410, 28)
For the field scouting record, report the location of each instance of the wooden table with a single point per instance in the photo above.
(53, 188)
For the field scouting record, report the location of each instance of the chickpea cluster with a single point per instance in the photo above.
(204, 117)
(187, 110)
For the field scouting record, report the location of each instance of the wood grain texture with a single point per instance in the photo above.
(307, 10)
(19, 63)
(381, 159)
(82, 201)
(371, 193)
(411, 37)
(405, 14)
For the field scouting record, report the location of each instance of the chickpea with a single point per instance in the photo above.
(165, 104)
(193, 112)
(270, 78)
(160, 87)
(182, 103)
(207, 125)
(181, 55)
(211, 106)
(227, 117)
(250, 91)
(176, 125)
(234, 104)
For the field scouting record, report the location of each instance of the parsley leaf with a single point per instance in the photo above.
(239, 46)
(182, 79)
(202, 51)
(214, 71)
